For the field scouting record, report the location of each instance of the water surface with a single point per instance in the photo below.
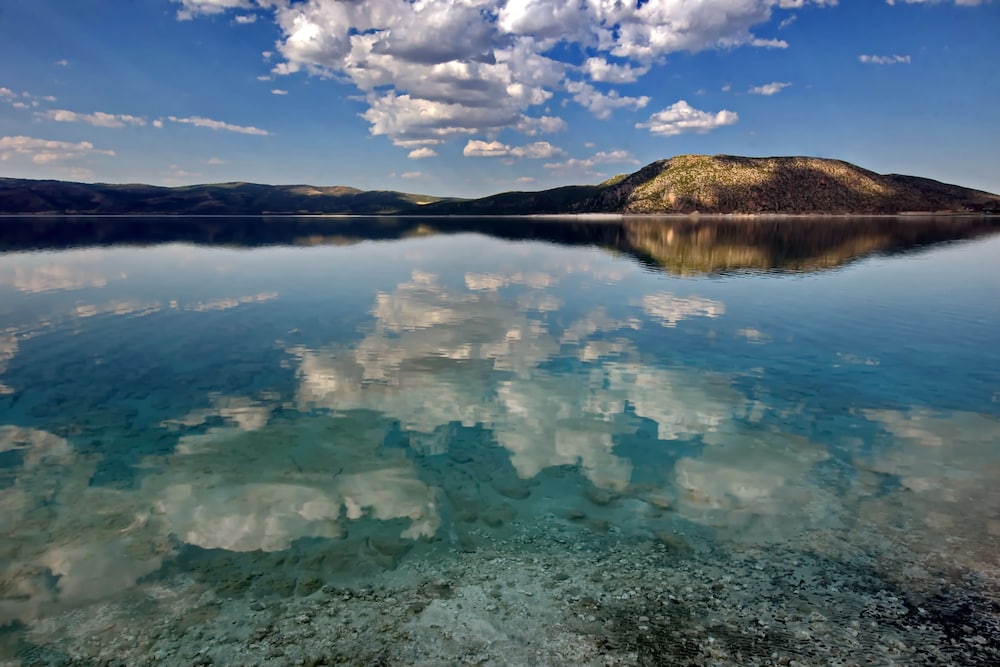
(427, 441)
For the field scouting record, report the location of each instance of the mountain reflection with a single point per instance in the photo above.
(678, 246)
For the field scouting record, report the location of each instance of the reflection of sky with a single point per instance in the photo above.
(726, 399)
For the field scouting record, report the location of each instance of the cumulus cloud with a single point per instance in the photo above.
(599, 69)
(278, 91)
(244, 19)
(158, 123)
(215, 161)
(884, 60)
(412, 174)
(602, 104)
(198, 121)
(97, 118)
(421, 153)
(769, 88)
(538, 150)
(681, 117)
(439, 69)
(45, 151)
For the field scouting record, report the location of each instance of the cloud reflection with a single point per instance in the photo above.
(437, 356)
(54, 277)
(670, 309)
(8, 350)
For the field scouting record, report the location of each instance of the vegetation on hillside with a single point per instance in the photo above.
(721, 184)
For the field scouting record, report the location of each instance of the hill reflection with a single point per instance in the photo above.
(678, 246)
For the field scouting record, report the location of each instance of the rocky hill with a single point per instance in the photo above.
(720, 184)
(789, 185)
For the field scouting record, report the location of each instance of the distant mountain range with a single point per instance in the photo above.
(720, 184)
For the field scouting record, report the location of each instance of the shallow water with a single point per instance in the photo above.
(413, 441)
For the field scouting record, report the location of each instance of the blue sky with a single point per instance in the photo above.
(471, 97)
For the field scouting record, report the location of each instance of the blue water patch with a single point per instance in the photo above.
(398, 446)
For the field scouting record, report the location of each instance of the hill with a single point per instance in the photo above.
(726, 184)
(685, 184)
(30, 196)
(731, 184)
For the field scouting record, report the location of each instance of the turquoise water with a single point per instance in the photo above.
(594, 443)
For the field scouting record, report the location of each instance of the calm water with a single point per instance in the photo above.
(405, 441)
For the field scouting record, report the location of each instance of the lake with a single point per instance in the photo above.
(498, 441)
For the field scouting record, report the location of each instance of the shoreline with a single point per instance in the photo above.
(523, 216)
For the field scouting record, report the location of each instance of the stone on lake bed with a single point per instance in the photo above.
(518, 490)
(600, 496)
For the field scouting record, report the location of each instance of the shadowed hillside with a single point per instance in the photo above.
(27, 196)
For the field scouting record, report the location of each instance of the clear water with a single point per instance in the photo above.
(499, 442)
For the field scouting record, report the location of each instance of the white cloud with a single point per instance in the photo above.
(441, 69)
(602, 104)
(198, 121)
(244, 19)
(540, 125)
(158, 123)
(421, 153)
(45, 151)
(538, 150)
(9, 95)
(601, 157)
(215, 161)
(681, 117)
(526, 179)
(20, 105)
(176, 173)
(769, 43)
(61, 63)
(599, 69)
(769, 88)
(278, 91)
(412, 174)
(787, 22)
(884, 60)
(264, 77)
(191, 8)
(97, 118)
